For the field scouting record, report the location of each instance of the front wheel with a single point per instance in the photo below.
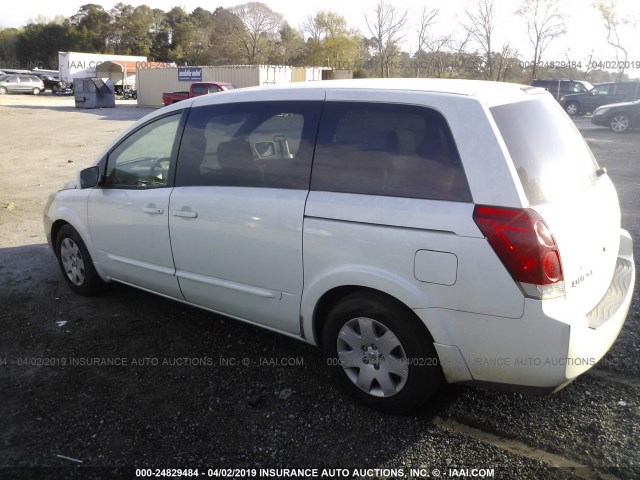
(619, 123)
(76, 264)
(572, 108)
(36, 91)
(3, 90)
(381, 354)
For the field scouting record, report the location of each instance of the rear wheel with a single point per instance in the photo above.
(619, 123)
(3, 90)
(76, 264)
(572, 108)
(380, 354)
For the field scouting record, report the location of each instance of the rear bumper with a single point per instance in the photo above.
(543, 350)
(604, 322)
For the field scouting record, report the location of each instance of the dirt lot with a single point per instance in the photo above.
(190, 390)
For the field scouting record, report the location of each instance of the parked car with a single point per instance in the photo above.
(416, 230)
(559, 88)
(195, 90)
(52, 83)
(602, 94)
(20, 84)
(619, 117)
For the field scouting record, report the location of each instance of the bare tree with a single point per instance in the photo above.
(612, 24)
(426, 20)
(545, 22)
(313, 29)
(504, 63)
(259, 21)
(589, 62)
(386, 26)
(479, 25)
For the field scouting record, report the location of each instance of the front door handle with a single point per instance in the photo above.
(153, 210)
(185, 213)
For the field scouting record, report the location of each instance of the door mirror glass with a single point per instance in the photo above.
(265, 149)
(89, 177)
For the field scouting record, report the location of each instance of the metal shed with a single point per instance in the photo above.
(121, 73)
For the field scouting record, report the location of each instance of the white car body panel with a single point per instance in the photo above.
(143, 256)
(242, 254)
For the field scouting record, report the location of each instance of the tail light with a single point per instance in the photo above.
(525, 247)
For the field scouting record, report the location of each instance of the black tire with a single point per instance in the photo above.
(415, 352)
(573, 109)
(76, 263)
(36, 91)
(3, 90)
(619, 122)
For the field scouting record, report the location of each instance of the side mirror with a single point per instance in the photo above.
(90, 177)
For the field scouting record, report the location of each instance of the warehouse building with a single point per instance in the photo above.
(153, 82)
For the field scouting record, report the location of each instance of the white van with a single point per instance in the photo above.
(416, 230)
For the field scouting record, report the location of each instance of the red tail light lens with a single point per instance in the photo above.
(525, 246)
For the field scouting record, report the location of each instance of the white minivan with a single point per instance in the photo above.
(417, 230)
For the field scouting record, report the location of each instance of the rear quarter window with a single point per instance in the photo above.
(388, 150)
(549, 153)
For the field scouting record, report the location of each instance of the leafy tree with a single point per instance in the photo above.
(8, 51)
(37, 44)
(179, 30)
(287, 48)
(340, 43)
(330, 41)
(224, 49)
(92, 25)
(159, 32)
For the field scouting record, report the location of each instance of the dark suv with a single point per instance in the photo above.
(602, 94)
(558, 88)
(51, 83)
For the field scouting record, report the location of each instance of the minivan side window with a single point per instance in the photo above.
(249, 144)
(143, 159)
(390, 150)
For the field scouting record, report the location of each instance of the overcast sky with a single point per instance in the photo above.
(584, 27)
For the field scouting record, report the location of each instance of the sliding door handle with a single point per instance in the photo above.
(153, 210)
(185, 213)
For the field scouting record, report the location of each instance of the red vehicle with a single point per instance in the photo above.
(195, 90)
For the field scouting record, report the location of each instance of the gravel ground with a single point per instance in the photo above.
(195, 390)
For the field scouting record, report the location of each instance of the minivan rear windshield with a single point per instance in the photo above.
(549, 153)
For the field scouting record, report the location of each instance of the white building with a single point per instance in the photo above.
(76, 64)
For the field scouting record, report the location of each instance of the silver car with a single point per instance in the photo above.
(20, 84)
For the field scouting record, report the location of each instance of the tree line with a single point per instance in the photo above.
(252, 33)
